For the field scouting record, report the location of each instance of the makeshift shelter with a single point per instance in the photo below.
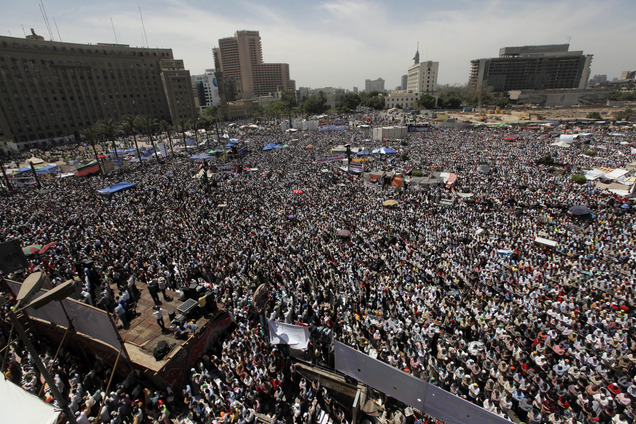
(384, 151)
(200, 157)
(116, 187)
(21, 406)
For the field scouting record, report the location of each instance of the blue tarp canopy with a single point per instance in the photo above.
(271, 146)
(136, 159)
(21, 170)
(128, 151)
(116, 187)
(191, 142)
(119, 151)
(363, 153)
(148, 152)
(200, 156)
(384, 151)
(233, 140)
(48, 169)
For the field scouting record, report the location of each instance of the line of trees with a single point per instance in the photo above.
(106, 131)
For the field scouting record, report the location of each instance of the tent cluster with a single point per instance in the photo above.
(271, 146)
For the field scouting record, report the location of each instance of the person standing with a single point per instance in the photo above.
(153, 289)
(120, 310)
(158, 313)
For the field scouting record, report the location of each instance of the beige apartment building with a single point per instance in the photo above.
(240, 60)
(51, 90)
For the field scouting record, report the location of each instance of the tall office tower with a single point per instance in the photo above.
(373, 85)
(51, 90)
(404, 81)
(532, 68)
(422, 76)
(240, 60)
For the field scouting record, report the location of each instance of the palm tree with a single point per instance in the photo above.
(89, 135)
(131, 124)
(165, 126)
(182, 124)
(148, 124)
(109, 128)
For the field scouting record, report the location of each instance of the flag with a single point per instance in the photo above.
(408, 169)
(289, 334)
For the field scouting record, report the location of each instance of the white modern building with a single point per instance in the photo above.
(206, 89)
(422, 77)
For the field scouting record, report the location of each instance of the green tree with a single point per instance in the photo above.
(109, 128)
(315, 105)
(373, 99)
(449, 101)
(164, 126)
(277, 109)
(579, 178)
(594, 115)
(131, 124)
(426, 101)
(148, 124)
(350, 102)
(182, 124)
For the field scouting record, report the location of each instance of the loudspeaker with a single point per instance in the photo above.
(171, 315)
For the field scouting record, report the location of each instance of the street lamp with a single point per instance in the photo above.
(58, 293)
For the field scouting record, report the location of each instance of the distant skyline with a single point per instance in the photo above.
(342, 43)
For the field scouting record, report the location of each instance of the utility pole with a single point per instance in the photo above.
(9, 187)
(61, 401)
(35, 174)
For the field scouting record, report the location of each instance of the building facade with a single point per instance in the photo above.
(373, 85)
(402, 99)
(532, 68)
(422, 77)
(51, 90)
(206, 91)
(240, 59)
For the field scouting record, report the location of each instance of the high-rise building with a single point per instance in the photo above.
(373, 85)
(206, 89)
(51, 90)
(532, 68)
(404, 82)
(240, 59)
(422, 77)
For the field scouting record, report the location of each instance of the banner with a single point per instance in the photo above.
(356, 167)
(226, 170)
(411, 390)
(296, 336)
(163, 149)
(381, 376)
(330, 158)
(118, 162)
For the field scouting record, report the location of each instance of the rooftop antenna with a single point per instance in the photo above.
(143, 27)
(114, 33)
(46, 19)
(22, 30)
(57, 29)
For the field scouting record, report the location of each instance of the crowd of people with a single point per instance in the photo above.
(457, 294)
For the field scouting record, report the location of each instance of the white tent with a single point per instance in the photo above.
(568, 138)
(22, 407)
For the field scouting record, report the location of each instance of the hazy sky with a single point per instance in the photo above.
(340, 43)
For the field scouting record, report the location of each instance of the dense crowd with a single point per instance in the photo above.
(459, 295)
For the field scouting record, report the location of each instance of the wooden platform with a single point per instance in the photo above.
(143, 333)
